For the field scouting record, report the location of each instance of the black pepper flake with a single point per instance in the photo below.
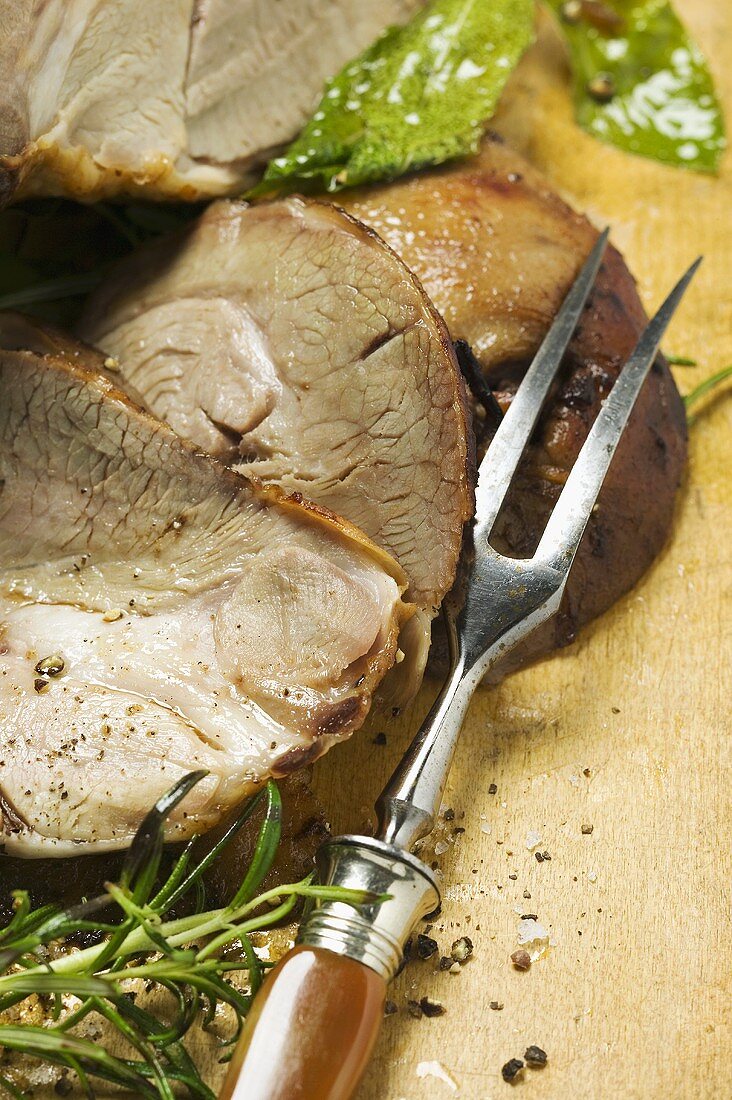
(389, 1008)
(40, 685)
(512, 1069)
(539, 857)
(493, 788)
(380, 739)
(426, 947)
(587, 829)
(445, 962)
(535, 1057)
(529, 916)
(497, 1006)
(521, 959)
(449, 815)
(545, 855)
(431, 1008)
(415, 1009)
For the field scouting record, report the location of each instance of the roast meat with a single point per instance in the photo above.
(160, 612)
(496, 249)
(174, 98)
(289, 337)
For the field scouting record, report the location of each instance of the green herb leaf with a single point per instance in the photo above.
(680, 361)
(419, 96)
(145, 941)
(641, 82)
(707, 386)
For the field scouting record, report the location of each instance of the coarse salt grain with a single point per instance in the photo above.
(434, 1069)
(534, 937)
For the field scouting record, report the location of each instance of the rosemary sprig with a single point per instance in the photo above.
(192, 956)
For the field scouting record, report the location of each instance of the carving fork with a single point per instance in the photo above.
(312, 1027)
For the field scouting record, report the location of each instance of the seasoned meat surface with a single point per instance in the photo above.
(289, 336)
(201, 621)
(496, 249)
(169, 98)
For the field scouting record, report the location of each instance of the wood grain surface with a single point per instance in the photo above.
(628, 731)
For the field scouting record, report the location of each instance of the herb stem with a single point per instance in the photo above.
(708, 384)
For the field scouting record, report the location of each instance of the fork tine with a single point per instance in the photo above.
(567, 522)
(508, 444)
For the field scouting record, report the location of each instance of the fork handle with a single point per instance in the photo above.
(313, 1024)
(310, 1031)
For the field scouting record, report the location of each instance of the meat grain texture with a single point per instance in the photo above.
(169, 98)
(203, 621)
(287, 337)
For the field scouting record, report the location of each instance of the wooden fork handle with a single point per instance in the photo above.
(310, 1030)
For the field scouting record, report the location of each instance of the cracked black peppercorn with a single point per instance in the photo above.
(512, 1069)
(462, 949)
(535, 1057)
(431, 1008)
(426, 947)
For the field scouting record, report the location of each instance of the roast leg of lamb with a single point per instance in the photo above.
(160, 612)
(171, 98)
(496, 249)
(288, 337)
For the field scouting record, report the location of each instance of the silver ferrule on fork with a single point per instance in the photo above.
(404, 891)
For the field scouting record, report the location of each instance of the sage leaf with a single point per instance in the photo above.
(641, 82)
(420, 95)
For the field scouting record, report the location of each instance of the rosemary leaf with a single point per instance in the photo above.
(146, 942)
(705, 387)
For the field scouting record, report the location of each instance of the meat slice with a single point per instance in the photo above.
(201, 621)
(497, 250)
(173, 98)
(288, 335)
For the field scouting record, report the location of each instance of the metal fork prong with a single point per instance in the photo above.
(508, 444)
(567, 522)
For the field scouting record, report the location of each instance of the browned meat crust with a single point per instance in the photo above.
(496, 251)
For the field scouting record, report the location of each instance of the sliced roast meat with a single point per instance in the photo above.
(289, 335)
(496, 251)
(174, 98)
(200, 621)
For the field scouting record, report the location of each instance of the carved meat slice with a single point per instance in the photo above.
(288, 335)
(173, 98)
(201, 620)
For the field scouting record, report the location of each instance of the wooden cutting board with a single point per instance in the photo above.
(628, 731)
